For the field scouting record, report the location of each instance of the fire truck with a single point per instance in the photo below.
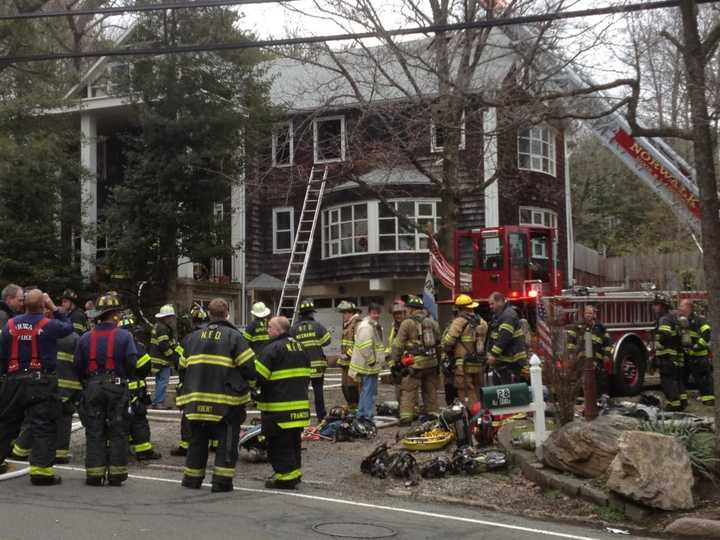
(522, 263)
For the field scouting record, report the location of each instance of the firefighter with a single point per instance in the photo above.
(313, 336)
(29, 389)
(399, 313)
(415, 357)
(105, 361)
(219, 373)
(697, 352)
(69, 390)
(507, 349)
(601, 343)
(351, 318)
(70, 303)
(283, 372)
(256, 332)
(199, 318)
(139, 398)
(464, 344)
(669, 353)
(164, 352)
(368, 360)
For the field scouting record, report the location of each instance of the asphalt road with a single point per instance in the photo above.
(151, 508)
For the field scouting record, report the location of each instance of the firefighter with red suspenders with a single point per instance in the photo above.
(104, 360)
(28, 352)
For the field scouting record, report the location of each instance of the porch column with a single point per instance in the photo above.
(88, 193)
(490, 164)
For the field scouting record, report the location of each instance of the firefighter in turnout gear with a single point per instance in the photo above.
(283, 372)
(669, 353)
(105, 361)
(29, 384)
(69, 390)
(219, 373)
(368, 360)
(138, 395)
(506, 346)
(164, 352)
(313, 336)
(464, 344)
(199, 318)
(415, 356)
(351, 320)
(601, 343)
(256, 332)
(399, 313)
(71, 305)
(697, 351)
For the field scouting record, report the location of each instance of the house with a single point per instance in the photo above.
(362, 251)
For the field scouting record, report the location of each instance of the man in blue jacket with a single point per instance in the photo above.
(28, 356)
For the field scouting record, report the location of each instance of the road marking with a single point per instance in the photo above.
(364, 505)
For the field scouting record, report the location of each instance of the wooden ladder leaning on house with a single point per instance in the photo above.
(291, 294)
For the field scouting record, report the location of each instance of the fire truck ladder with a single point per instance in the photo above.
(291, 294)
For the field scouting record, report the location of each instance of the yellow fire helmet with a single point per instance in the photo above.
(463, 301)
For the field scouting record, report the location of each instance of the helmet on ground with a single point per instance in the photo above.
(397, 307)
(307, 306)
(347, 307)
(107, 303)
(463, 301)
(415, 302)
(166, 311)
(197, 313)
(71, 295)
(662, 299)
(260, 310)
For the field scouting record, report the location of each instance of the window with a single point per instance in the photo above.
(345, 230)
(538, 217)
(283, 229)
(329, 139)
(536, 150)
(282, 144)
(438, 135)
(491, 256)
(395, 235)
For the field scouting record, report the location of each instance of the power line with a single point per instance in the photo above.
(430, 29)
(185, 4)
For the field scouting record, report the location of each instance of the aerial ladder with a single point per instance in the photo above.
(291, 294)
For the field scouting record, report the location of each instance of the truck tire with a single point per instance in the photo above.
(630, 368)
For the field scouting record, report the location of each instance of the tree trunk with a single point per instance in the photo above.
(707, 180)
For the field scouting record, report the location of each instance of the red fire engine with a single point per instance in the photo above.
(521, 262)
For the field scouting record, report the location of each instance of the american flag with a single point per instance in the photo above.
(543, 330)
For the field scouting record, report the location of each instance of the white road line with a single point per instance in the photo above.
(365, 505)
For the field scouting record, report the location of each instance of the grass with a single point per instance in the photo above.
(610, 514)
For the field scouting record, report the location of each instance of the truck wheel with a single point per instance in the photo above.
(629, 370)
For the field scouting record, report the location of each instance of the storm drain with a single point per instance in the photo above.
(353, 530)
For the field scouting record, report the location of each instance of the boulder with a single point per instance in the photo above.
(586, 448)
(654, 470)
(700, 528)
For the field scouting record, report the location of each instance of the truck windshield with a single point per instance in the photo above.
(491, 253)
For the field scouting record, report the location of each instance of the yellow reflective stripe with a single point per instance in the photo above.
(41, 471)
(169, 352)
(144, 359)
(95, 471)
(209, 397)
(227, 472)
(117, 469)
(496, 350)
(261, 369)
(184, 444)
(62, 453)
(65, 357)
(290, 373)
(161, 338)
(363, 344)
(705, 328)
(507, 326)
(20, 451)
(244, 356)
(292, 475)
(283, 406)
(180, 349)
(364, 370)
(142, 447)
(707, 398)
(324, 340)
(210, 359)
(159, 361)
(79, 326)
(204, 417)
(194, 473)
(68, 384)
(294, 424)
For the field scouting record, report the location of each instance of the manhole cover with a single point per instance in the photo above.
(354, 530)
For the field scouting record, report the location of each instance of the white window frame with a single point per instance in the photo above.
(275, 230)
(418, 235)
(287, 124)
(316, 121)
(538, 211)
(434, 147)
(535, 134)
(327, 254)
(373, 227)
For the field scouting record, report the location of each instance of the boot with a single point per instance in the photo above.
(18, 457)
(115, 481)
(178, 452)
(45, 480)
(4, 467)
(148, 455)
(221, 488)
(192, 483)
(95, 481)
(281, 484)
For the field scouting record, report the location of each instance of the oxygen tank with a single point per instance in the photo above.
(428, 334)
(525, 326)
(685, 336)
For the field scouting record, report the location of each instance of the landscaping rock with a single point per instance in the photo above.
(586, 448)
(654, 470)
(701, 528)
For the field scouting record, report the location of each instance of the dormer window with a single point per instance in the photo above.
(536, 150)
(329, 139)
